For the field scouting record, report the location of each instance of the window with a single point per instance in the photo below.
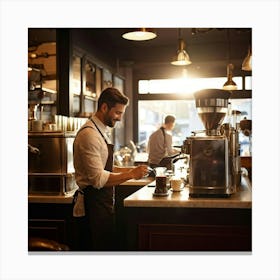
(151, 113)
(187, 85)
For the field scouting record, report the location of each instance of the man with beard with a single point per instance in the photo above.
(96, 176)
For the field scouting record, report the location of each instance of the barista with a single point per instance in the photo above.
(159, 146)
(96, 176)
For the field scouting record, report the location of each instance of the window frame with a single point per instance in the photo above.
(237, 94)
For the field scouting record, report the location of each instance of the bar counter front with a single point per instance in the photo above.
(50, 215)
(148, 223)
(179, 223)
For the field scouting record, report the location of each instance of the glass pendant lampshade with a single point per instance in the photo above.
(247, 62)
(140, 34)
(230, 84)
(182, 58)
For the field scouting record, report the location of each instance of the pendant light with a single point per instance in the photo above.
(182, 58)
(140, 34)
(229, 84)
(247, 62)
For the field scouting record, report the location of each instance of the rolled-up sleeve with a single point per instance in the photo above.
(90, 156)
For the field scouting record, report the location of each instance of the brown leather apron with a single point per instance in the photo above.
(99, 210)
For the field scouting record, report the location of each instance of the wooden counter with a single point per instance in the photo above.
(144, 198)
(50, 198)
(180, 223)
(67, 198)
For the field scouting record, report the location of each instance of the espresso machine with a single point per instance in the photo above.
(50, 163)
(214, 164)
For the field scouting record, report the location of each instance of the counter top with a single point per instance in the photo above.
(48, 198)
(141, 182)
(67, 198)
(144, 198)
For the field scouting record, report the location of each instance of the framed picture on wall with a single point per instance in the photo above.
(118, 83)
(90, 79)
(107, 78)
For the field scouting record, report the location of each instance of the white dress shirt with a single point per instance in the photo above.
(90, 155)
(157, 148)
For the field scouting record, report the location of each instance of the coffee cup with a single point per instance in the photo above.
(176, 184)
(37, 125)
(161, 186)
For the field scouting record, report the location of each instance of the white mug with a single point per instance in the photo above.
(175, 184)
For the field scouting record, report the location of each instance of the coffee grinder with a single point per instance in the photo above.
(214, 165)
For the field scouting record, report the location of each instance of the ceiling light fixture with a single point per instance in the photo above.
(182, 58)
(230, 84)
(247, 62)
(140, 34)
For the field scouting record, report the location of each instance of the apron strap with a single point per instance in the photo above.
(99, 131)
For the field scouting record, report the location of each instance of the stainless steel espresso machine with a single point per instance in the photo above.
(50, 163)
(214, 166)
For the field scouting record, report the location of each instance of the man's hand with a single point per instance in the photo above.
(139, 171)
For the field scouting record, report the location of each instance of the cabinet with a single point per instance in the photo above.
(73, 76)
(87, 81)
(52, 221)
(107, 78)
(42, 84)
(84, 79)
(188, 229)
(76, 83)
(180, 237)
(73, 72)
(55, 221)
(89, 87)
(51, 229)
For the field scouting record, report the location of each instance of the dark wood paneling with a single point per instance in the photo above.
(64, 56)
(52, 221)
(47, 228)
(188, 229)
(170, 237)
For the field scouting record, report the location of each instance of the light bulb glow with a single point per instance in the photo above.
(139, 35)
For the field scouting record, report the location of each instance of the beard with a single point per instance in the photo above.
(109, 121)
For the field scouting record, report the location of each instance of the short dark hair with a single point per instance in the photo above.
(111, 96)
(169, 119)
